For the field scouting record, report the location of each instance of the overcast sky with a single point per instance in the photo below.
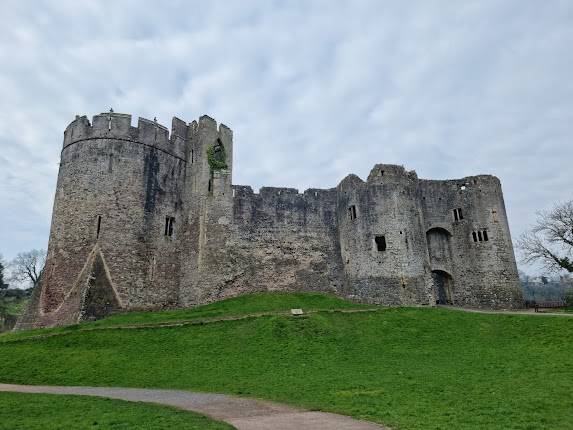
(312, 90)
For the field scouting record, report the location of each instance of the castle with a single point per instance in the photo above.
(145, 218)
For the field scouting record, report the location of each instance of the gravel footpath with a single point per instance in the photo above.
(242, 413)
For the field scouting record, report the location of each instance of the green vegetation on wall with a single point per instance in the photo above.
(216, 158)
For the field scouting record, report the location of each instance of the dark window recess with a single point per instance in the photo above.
(458, 215)
(480, 236)
(210, 185)
(380, 243)
(169, 222)
(192, 156)
(352, 212)
(98, 226)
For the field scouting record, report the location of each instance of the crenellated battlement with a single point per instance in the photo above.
(209, 125)
(112, 125)
(272, 195)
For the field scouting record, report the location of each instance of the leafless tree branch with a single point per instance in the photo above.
(550, 241)
(28, 266)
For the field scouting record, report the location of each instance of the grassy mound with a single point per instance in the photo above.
(237, 306)
(50, 412)
(404, 367)
(251, 304)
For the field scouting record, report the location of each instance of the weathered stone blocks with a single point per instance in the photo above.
(142, 221)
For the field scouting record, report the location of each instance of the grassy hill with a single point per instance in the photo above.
(48, 412)
(405, 367)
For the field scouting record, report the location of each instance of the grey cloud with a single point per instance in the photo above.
(312, 90)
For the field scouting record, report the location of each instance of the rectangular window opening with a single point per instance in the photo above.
(485, 236)
(169, 222)
(210, 185)
(352, 212)
(455, 215)
(192, 156)
(480, 237)
(98, 226)
(474, 235)
(460, 214)
(380, 243)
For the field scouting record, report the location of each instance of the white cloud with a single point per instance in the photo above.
(312, 90)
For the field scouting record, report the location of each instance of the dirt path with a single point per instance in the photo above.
(242, 413)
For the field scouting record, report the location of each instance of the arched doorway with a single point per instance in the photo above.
(438, 240)
(439, 248)
(443, 287)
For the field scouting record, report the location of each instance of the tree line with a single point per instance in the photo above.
(27, 267)
(24, 270)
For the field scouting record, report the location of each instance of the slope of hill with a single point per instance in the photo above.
(21, 411)
(403, 367)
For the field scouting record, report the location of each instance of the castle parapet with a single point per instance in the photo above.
(118, 126)
(468, 185)
(274, 192)
(78, 129)
(208, 124)
(390, 173)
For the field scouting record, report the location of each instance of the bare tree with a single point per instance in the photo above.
(550, 241)
(28, 266)
(3, 285)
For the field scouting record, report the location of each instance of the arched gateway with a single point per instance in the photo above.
(443, 287)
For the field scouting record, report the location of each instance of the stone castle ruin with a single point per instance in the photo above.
(148, 219)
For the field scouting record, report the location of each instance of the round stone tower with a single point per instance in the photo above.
(382, 239)
(114, 233)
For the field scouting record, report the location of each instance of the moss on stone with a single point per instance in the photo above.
(216, 163)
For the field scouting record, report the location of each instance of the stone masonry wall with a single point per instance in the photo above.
(143, 219)
(484, 272)
(385, 207)
(123, 181)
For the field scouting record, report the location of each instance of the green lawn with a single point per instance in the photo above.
(409, 368)
(55, 412)
(238, 306)
(242, 305)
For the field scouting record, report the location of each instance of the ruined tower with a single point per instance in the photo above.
(145, 218)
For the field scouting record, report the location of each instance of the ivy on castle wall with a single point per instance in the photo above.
(216, 157)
